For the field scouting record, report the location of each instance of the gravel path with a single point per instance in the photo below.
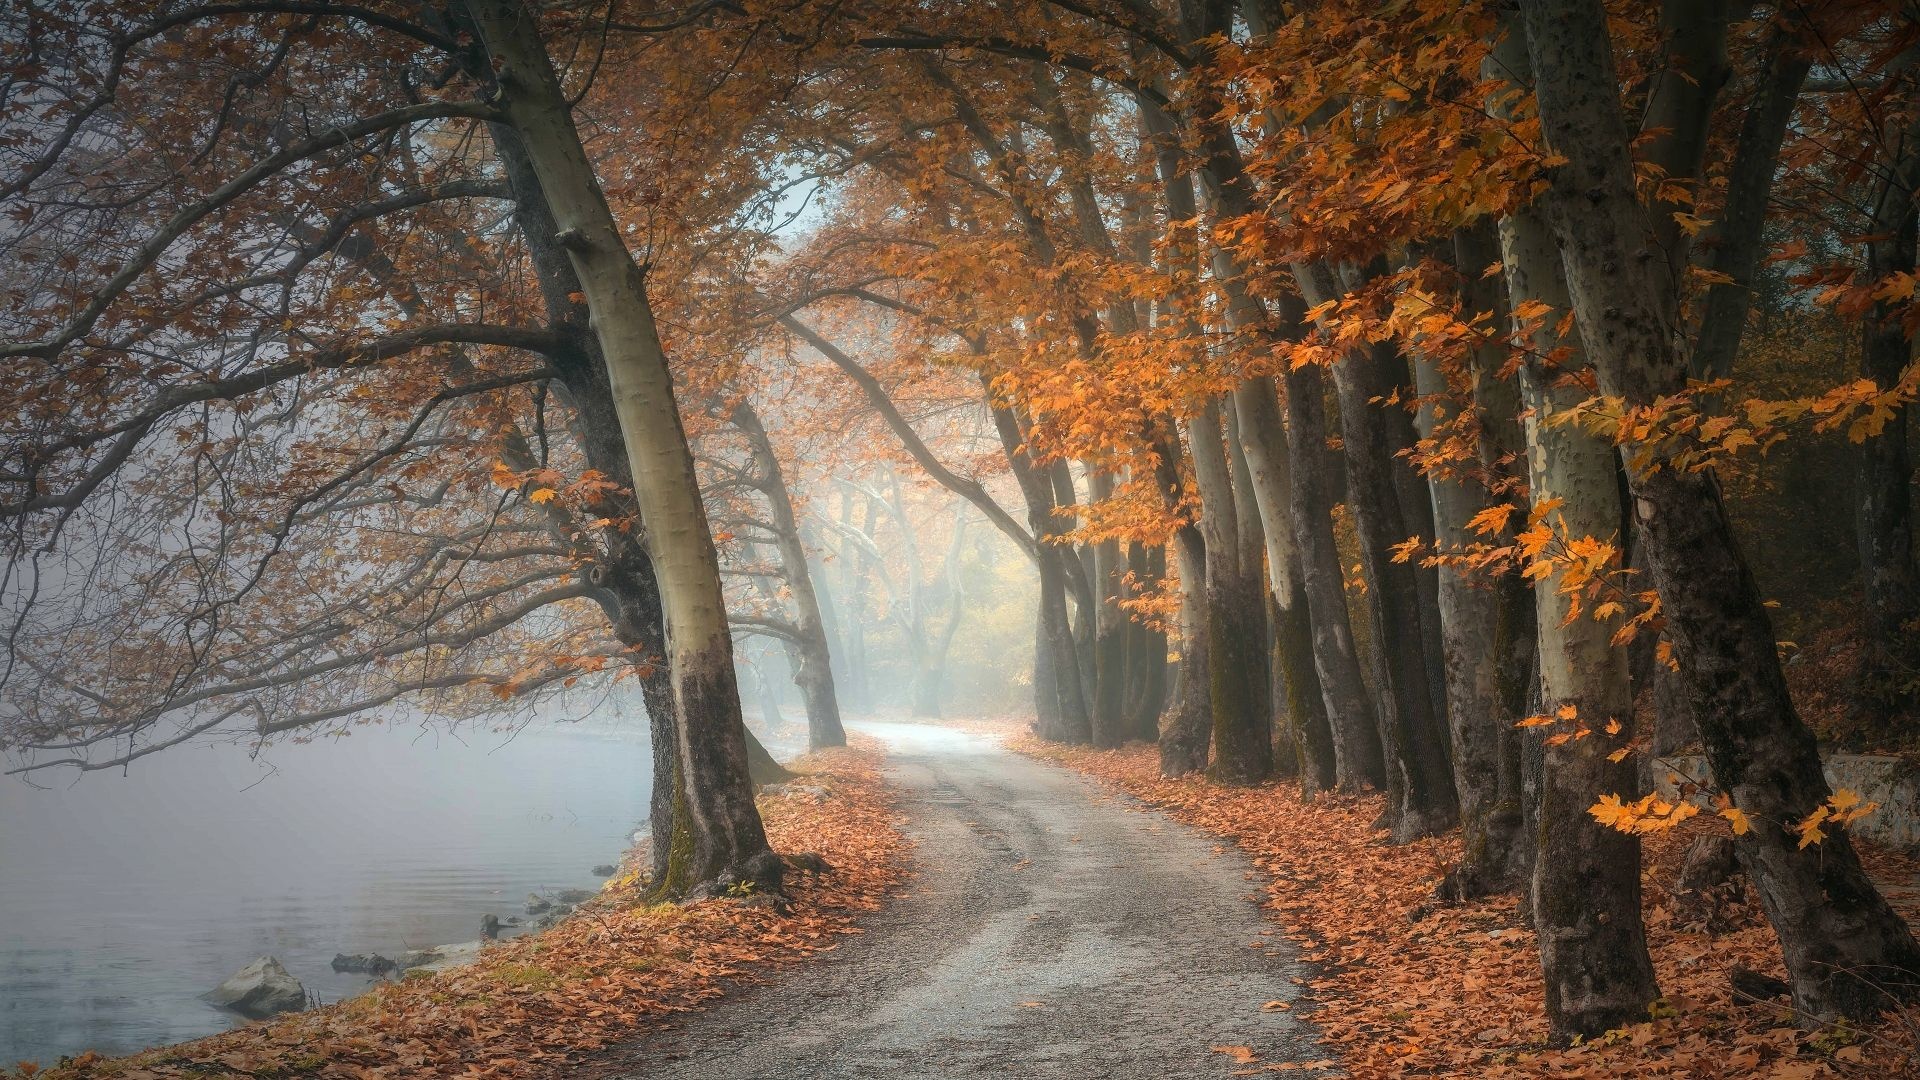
(1052, 931)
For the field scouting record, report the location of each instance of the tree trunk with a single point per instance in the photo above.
(656, 690)
(1586, 877)
(1264, 438)
(925, 697)
(1487, 627)
(810, 542)
(1358, 757)
(770, 714)
(762, 766)
(1199, 547)
(1146, 651)
(1235, 615)
(1356, 739)
(1109, 720)
(1186, 729)
(858, 570)
(1077, 562)
(1060, 701)
(1889, 687)
(729, 844)
(631, 595)
(1071, 722)
(814, 672)
(1836, 930)
(1421, 799)
(933, 676)
(1046, 689)
(1415, 498)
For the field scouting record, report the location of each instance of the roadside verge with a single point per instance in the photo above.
(1411, 987)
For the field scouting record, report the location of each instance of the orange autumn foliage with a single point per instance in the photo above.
(543, 1004)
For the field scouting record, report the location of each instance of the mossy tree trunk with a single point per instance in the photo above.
(1487, 627)
(1845, 947)
(1358, 757)
(1146, 651)
(1236, 636)
(1110, 635)
(1264, 439)
(630, 595)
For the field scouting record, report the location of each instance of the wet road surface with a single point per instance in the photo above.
(1053, 930)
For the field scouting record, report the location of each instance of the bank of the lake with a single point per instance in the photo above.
(542, 1005)
(124, 897)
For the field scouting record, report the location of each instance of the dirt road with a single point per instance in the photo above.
(1053, 931)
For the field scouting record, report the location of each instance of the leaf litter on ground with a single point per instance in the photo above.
(1405, 986)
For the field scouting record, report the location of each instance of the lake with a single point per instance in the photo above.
(124, 897)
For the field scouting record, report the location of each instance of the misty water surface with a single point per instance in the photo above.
(122, 898)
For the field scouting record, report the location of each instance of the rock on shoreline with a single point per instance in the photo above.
(441, 957)
(362, 963)
(260, 990)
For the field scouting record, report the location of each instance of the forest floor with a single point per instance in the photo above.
(1050, 931)
(1408, 987)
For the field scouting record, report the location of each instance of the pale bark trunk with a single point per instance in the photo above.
(1358, 756)
(728, 842)
(1586, 878)
(1109, 674)
(1357, 749)
(631, 596)
(1236, 636)
(1224, 697)
(1060, 698)
(1417, 523)
(1078, 561)
(1109, 722)
(1186, 729)
(1146, 652)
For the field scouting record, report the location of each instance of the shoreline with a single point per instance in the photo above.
(585, 983)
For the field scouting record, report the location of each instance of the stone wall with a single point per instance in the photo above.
(1890, 780)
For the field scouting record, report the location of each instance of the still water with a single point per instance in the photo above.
(124, 897)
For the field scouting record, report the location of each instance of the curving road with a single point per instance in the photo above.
(1053, 931)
